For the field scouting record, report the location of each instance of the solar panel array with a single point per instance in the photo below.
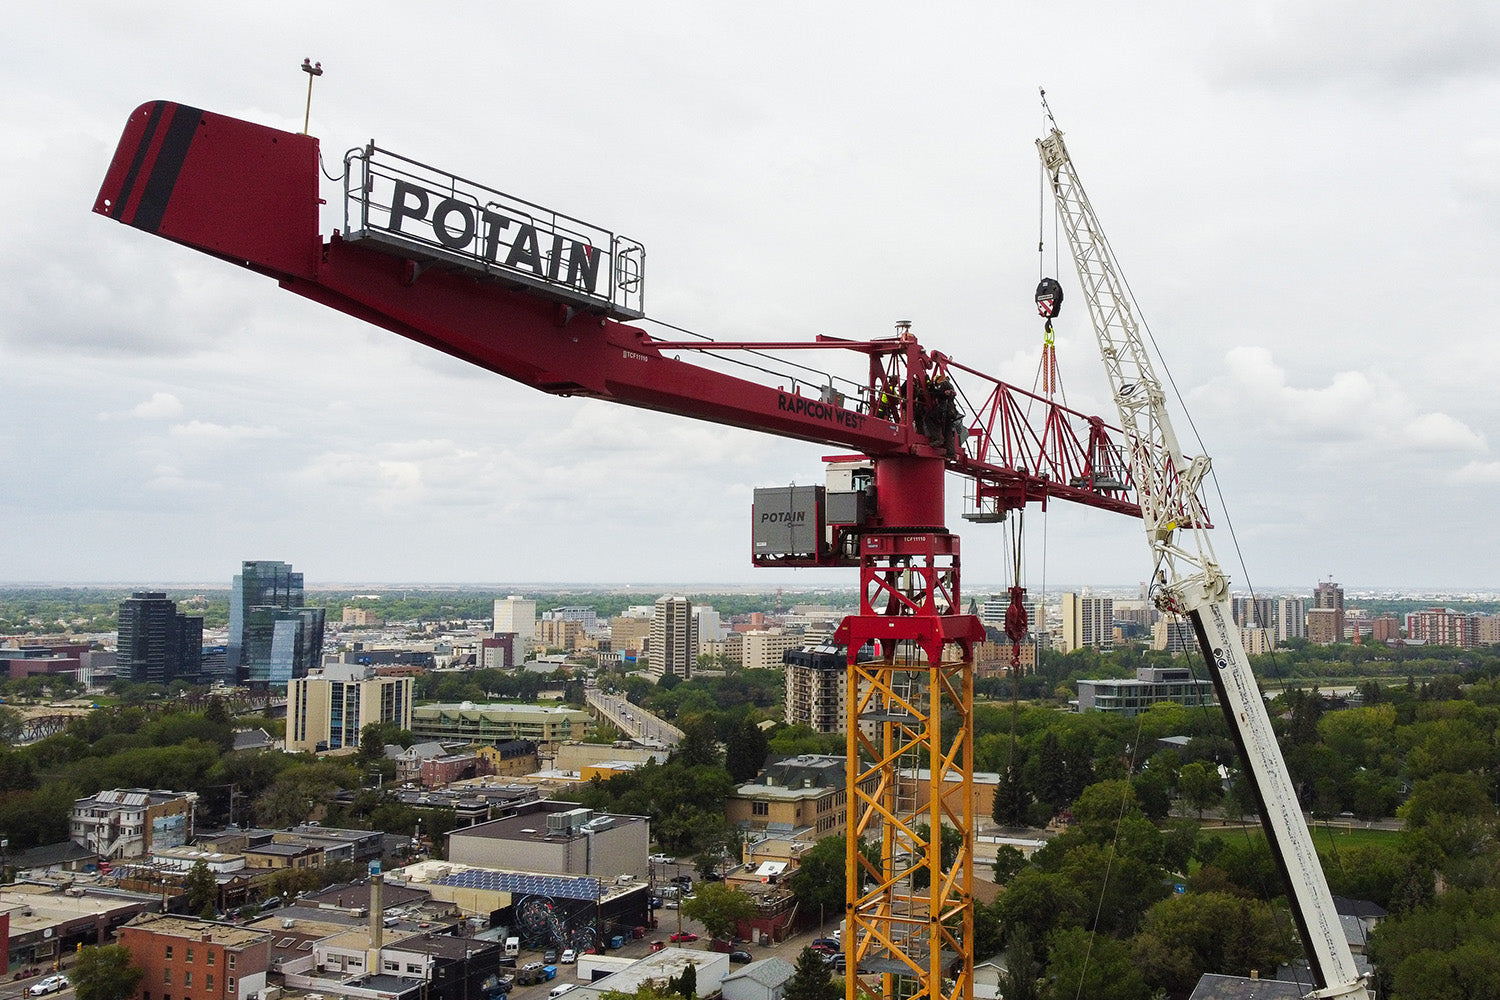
(518, 883)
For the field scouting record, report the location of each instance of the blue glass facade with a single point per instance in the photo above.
(272, 637)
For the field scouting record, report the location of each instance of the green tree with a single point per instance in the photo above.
(686, 984)
(1084, 965)
(1021, 979)
(1185, 936)
(700, 744)
(374, 736)
(1443, 949)
(820, 878)
(202, 890)
(719, 908)
(746, 750)
(1008, 861)
(1200, 785)
(812, 980)
(1012, 798)
(104, 972)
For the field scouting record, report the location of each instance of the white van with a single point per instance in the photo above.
(512, 947)
(558, 991)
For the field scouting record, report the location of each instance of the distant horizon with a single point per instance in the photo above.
(1408, 591)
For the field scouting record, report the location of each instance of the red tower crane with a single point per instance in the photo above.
(548, 300)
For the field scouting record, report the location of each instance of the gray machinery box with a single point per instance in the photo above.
(847, 507)
(787, 520)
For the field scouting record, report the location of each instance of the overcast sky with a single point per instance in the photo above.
(1305, 198)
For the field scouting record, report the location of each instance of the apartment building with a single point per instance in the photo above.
(1443, 627)
(132, 822)
(1087, 623)
(327, 709)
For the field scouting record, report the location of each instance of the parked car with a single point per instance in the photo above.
(739, 957)
(825, 945)
(569, 956)
(560, 989)
(550, 957)
(683, 936)
(52, 984)
(530, 973)
(662, 859)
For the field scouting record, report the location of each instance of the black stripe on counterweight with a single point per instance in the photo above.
(174, 148)
(128, 184)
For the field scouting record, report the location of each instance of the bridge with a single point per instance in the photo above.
(633, 720)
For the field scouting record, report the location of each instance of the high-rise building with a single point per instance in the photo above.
(673, 645)
(764, 648)
(1289, 618)
(327, 709)
(281, 644)
(1387, 628)
(1252, 612)
(515, 615)
(629, 632)
(273, 637)
(1329, 596)
(710, 628)
(816, 688)
(1087, 622)
(1325, 626)
(1173, 636)
(157, 644)
(260, 583)
(1443, 627)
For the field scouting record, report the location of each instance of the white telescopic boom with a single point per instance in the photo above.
(1188, 579)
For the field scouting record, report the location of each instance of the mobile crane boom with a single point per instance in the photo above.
(1188, 579)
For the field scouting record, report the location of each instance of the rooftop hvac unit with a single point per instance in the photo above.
(568, 822)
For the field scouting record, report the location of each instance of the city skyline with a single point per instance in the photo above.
(1315, 278)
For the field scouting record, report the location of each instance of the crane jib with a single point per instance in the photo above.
(819, 410)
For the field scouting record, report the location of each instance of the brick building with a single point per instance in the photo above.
(186, 959)
(1443, 627)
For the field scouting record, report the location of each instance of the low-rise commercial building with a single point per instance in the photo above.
(46, 921)
(1150, 686)
(556, 838)
(499, 722)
